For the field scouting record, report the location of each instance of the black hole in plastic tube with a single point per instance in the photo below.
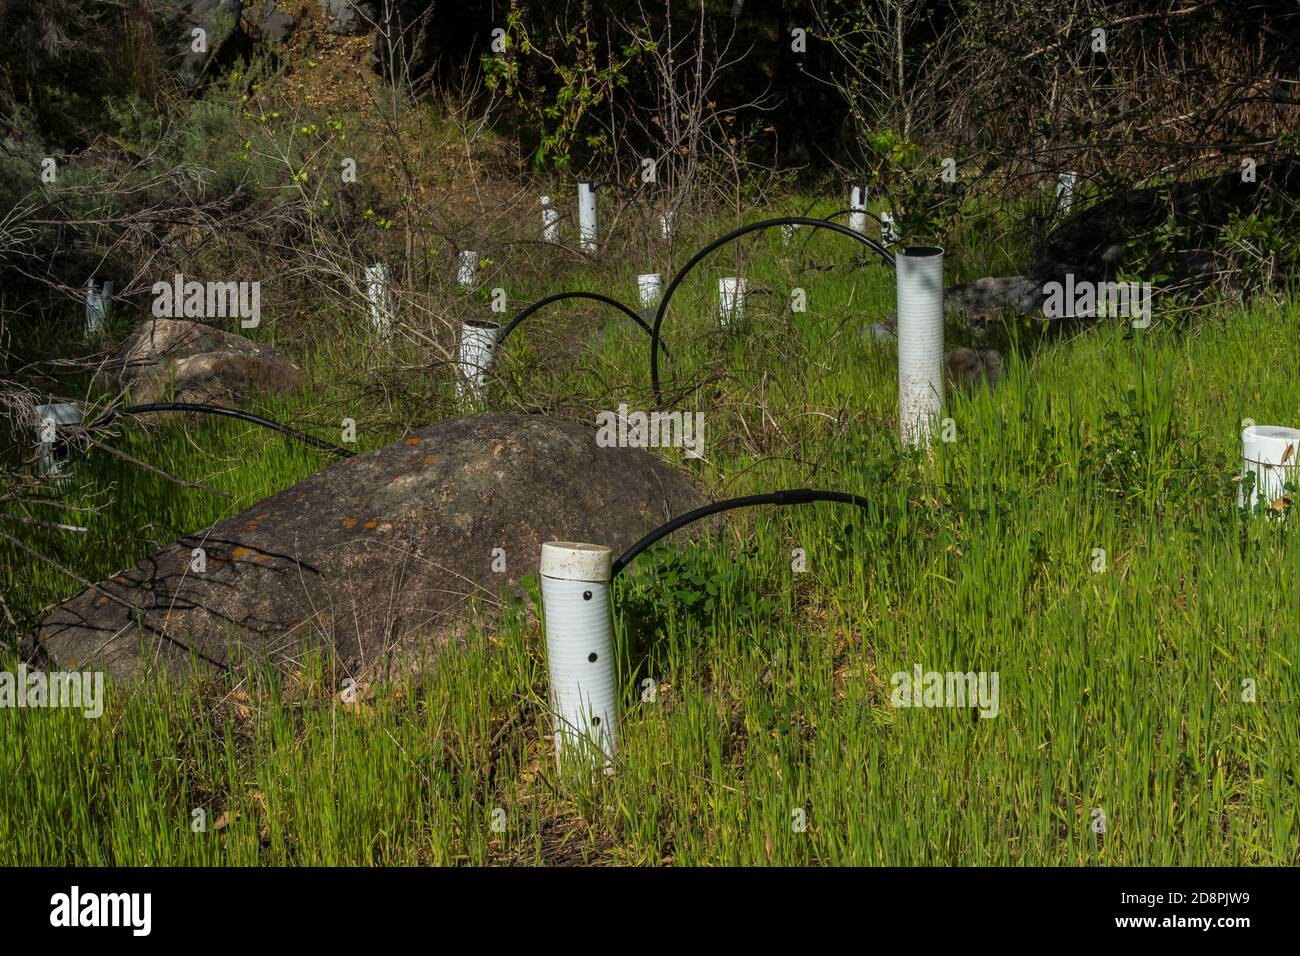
(595, 721)
(586, 595)
(592, 657)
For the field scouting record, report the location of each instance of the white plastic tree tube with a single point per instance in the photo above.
(50, 419)
(651, 287)
(920, 341)
(1268, 463)
(478, 341)
(858, 203)
(467, 271)
(731, 299)
(98, 297)
(888, 229)
(666, 224)
(381, 300)
(550, 221)
(579, 648)
(587, 216)
(1065, 191)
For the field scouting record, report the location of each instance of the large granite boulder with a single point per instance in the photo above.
(183, 361)
(177, 21)
(1094, 244)
(378, 556)
(1098, 243)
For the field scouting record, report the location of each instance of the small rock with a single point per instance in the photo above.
(183, 361)
(968, 369)
(979, 302)
(348, 17)
(986, 297)
(270, 22)
(886, 331)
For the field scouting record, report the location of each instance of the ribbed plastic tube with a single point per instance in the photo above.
(858, 205)
(587, 216)
(888, 229)
(380, 300)
(50, 419)
(919, 272)
(478, 341)
(731, 299)
(650, 286)
(1268, 452)
(580, 649)
(550, 221)
(98, 298)
(467, 270)
(1065, 191)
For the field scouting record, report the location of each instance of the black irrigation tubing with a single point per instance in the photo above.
(723, 240)
(613, 185)
(836, 215)
(229, 413)
(559, 296)
(791, 496)
(845, 212)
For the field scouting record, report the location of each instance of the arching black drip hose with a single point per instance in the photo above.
(722, 241)
(844, 212)
(792, 496)
(836, 215)
(559, 296)
(228, 413)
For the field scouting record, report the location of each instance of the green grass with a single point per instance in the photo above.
(1120, 690)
